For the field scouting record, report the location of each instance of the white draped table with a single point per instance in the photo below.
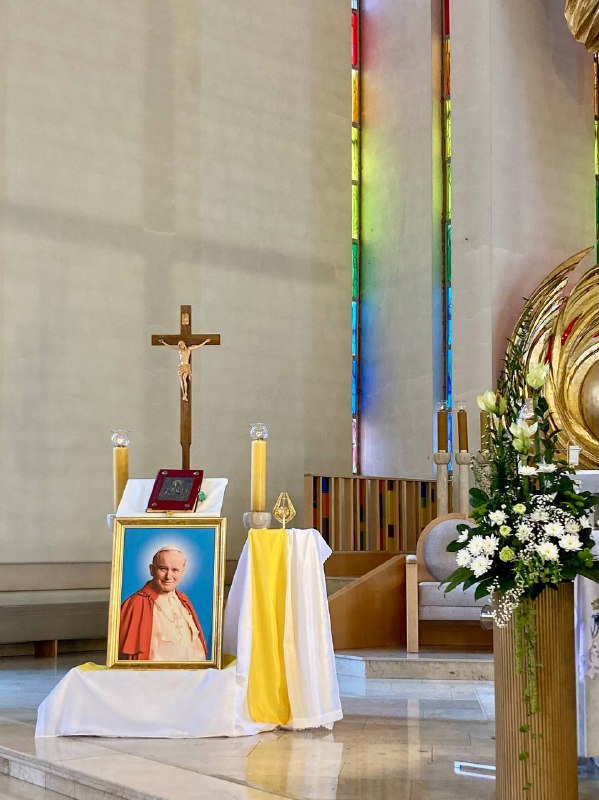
(198, 703)
(587, 653)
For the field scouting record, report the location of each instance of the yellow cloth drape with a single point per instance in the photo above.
(268, 698)
(90, 665)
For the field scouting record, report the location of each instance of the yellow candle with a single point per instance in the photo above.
(120, 472)
(258, 476)
(463, 430)
(442, 430)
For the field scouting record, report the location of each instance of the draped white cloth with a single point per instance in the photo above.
(587, 656)
(201, 703)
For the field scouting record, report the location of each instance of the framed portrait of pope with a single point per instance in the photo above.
(166, 593)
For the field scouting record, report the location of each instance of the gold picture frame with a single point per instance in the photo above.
(166, 593)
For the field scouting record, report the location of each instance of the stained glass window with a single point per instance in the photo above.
(446, 246)
(355, 178)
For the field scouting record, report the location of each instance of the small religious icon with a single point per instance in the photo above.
(284, 511)
(184, 359)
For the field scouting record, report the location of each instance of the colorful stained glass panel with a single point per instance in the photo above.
(354, 328)
(354, 38)
(447, 128)
(355, 96)
(355, 211)
(355, 153)
(355, 270)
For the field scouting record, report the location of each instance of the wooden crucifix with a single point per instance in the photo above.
(184, 342)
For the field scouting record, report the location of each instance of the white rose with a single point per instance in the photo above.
(548, 551)
(570, 542)
(504, 530)
(463, 558)
(519, 508)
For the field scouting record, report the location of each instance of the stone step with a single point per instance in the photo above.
(426, 665)
(334, 584)
(56, 781)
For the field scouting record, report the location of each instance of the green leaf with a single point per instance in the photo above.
(482, 590)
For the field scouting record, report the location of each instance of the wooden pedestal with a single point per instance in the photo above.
(552, 764)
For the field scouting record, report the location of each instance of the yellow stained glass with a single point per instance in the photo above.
(355, 154)
(446, 68)
(447, 128)
(355, 96)
(355, 212)
(448, 192)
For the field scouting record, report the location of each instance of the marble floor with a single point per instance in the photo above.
(398, 741)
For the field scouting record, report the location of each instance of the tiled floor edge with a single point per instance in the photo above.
(62, 780)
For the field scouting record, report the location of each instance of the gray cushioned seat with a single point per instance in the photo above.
(437, 560)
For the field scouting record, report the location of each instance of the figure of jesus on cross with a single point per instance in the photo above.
(184, 342)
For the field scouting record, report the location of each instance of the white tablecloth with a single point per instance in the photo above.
(198, 703)
(587, 656)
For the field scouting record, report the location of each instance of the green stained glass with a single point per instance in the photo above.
(355, 153)
(596, 147)
(448, 191)
(355, 269)
(355, 212)
(447, 128)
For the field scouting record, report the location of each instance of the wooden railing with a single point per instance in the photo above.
(367, 513)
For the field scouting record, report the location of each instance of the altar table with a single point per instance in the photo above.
(283, 674)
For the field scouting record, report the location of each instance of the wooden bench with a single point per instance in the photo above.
(47, 602)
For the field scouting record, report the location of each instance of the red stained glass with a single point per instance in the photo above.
(354, 38)
(568, 330)
(445, 17)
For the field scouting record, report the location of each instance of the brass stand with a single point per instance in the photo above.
(552, 764)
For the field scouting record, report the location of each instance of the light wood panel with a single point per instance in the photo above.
(371, 612)
(552, 764)
(365, 513)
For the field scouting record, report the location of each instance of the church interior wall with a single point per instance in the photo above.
(522, 170)
(399, 354)
(157, 154)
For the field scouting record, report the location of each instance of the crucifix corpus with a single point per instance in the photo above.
(184, 342)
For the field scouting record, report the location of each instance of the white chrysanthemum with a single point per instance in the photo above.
(542, 467)
(548, 551)
(572, 526)
(523, 532)
(463, 558)
(476, 544)
(525, 470)
(480, 565)
(462, 537)
(490, 544)
(570, 542)
(497, 517)
(553, 529)
(538, 515)
(585, 521)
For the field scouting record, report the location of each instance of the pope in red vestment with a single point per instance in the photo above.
(138, 610)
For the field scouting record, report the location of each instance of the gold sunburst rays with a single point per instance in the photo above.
(563, 331)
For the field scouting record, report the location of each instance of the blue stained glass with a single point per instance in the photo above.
(449, 433)
(449, 378)
(449, 303)
(354, 328)
(354, 388)
(449, 331)
(325, 485)
(354, 5)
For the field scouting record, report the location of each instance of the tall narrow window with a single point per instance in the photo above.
(596, 68)
(355, 179)
(446, 241)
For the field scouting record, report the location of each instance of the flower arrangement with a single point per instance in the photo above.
(533, 529)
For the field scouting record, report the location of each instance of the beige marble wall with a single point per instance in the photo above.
(522, 170)
(398, 232)
(156, 154)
